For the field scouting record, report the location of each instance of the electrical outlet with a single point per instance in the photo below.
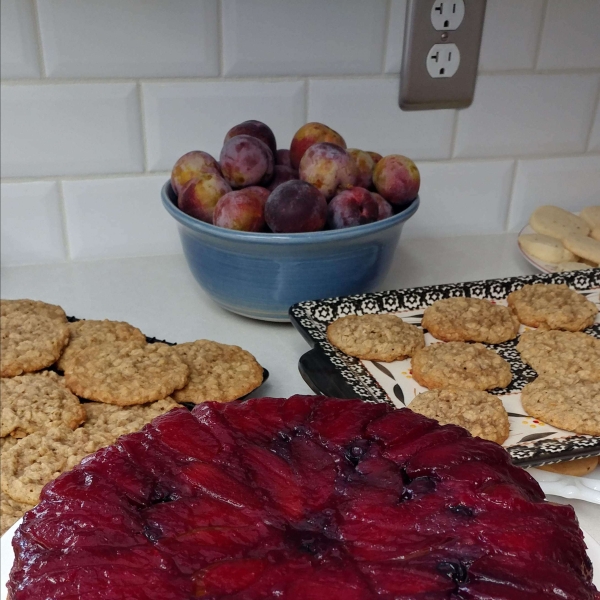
(447, 15)
(442, 39)
(443, 60)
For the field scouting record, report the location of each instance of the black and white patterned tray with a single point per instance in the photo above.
(331, 372)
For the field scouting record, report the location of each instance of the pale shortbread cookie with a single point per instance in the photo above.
(32, 307)
(572, 266)
(576, 468)
(545, 248)
(470, 320)
(584, 247)
(595, 233)
(218, 372)
(10, 511)
(461, 365)
(553, 306)
(561, 352)
(375, 337)
(591, 215)
(480, 413)
(90, 333)
(557, 222)
(35, 402)
(126, 373)
(30, 342)
(564, 401)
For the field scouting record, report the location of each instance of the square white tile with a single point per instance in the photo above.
(196, 116)
(366, 113)
(526, 114)
(130, 38)
(31, 224)
(70, 129)
(312, 37)
(571, 183)
(461, 198)
(510, 34)
(112, 218)
(395, 36)
(18, 45)
(594, 145)
(571, 36)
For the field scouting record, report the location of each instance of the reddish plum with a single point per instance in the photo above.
(242, 210)
(375, 156)
(283, 158)
(245, 161)
(397, 179)
(282, 174)
(328, 167)
(385, 208)
(200, 196)
(352, 207)
(296, 206)
(255, 129)
(189, 166)
(309, 134)
(364, 167)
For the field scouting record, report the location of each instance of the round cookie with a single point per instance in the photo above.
(126, 373)
(10, 511)
(595, 233)
(90, 333)
(30, 342)
(218, 372)
(375, 337)
(461, 365)
(583, 246)
(553, 306)
(557, 222)
(480, 413)
(576, 468)
(564, 401)
(561, 352)
(470, 320)
(591, 215)
(545, 248)
(32, 307)
(36, 402)
(572, 266)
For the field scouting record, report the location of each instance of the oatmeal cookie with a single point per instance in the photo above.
(10, 511)
(461, 365)
(218, 372)
(35, 402)
(126, 373)
(91, 333)
(564, 401)
(480, 413)
(375, 337)
(30, 342)
(470, 320)
(561, 352)
(552, 306)
(26, 308)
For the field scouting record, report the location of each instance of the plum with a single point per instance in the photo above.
(200, 196)
(328, 167)
(364, 167)
(282, 174)
(283, 158)
(256, 129)
(189, 166)
(397, 179)
(309, 134)
(385, 208)
(245, 161)
(375, 156)
(296, 206)
(352, 207)
(242, 210)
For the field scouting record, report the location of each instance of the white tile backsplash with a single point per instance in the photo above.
(108, 218)
(196, 116)
(571, 36)
(271, 37)
(510, 34)
(527, 114)
(18, 44)
(70, 129)
(129, 38)
(594, 145)
(461, 198)
(395, 36)
(365, 112)
(31, 224)
(571, 183)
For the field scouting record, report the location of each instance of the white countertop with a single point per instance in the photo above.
(160, 296)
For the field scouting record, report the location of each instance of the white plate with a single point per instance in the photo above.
(6, 552)
(566, 486)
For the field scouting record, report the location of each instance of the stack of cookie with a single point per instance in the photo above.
(125, 382)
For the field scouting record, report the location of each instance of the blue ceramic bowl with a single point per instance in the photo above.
(260, 275)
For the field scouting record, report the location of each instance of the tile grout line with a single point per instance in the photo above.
(595, 111)
(38, 35)
(511, 195)
(538, 46)
(454, 135)
(63, 210)
(220, 38)
(143, 125)
(86, 177)
(386, 34)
